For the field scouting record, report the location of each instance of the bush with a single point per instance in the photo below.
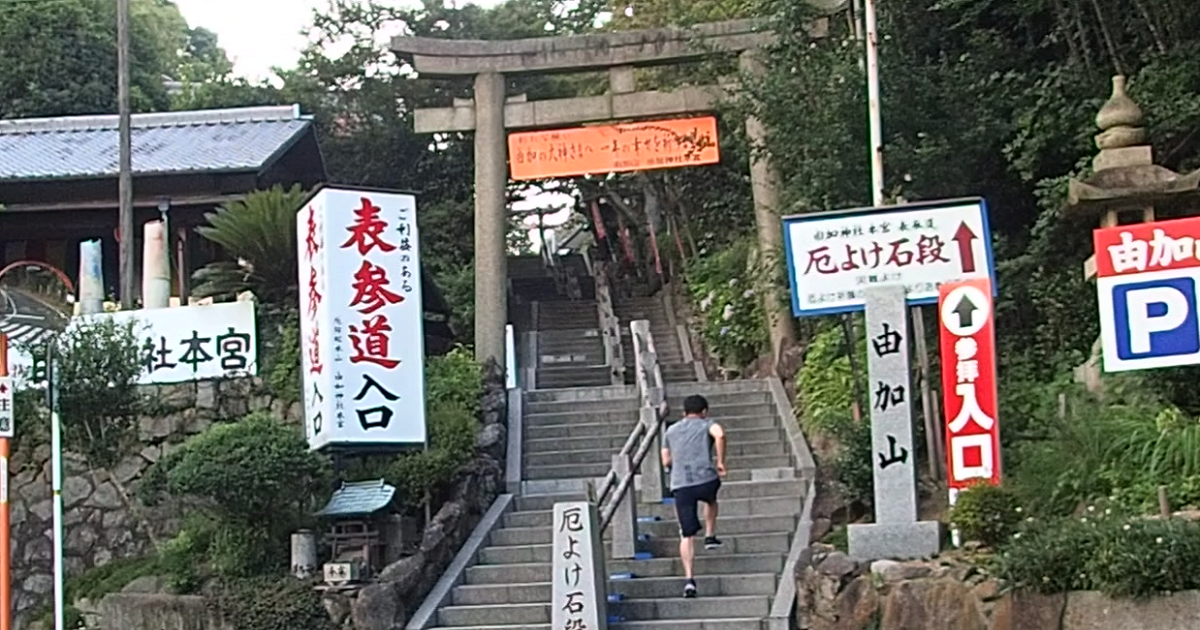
(987, 514)
(854, 464)
(825, 385)
(454, 380)
(1120, 557)
(98, 363)
(256, 481)
(451, 444)
(723, 286)
(270, 604)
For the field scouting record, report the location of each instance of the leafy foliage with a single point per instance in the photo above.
(1119, 556)
(731, 317)
(986, 513)
(255, 480)
(259, 232)
(267, 603)
(279, 335)
(453, 386)
(97, 365)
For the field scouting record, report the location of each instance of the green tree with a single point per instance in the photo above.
(60, 57)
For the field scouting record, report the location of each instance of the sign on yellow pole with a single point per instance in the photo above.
(604, 149)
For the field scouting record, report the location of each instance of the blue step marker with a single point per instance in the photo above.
(628, 575)
(616, 619)
(615, 597)
(642, 555)
(669, 501)
(643, 536)
(648, 519)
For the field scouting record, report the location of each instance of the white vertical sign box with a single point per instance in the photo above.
(361, 319)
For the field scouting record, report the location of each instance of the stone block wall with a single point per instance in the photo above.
(102, 518)
(835, 592)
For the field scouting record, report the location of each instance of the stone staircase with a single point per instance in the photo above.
(676, 366)
(570, 349)
(570, 436)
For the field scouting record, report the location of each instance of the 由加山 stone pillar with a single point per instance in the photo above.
(764, 183)
(491, 225)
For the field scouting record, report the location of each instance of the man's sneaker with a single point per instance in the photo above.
(712, 542)
(689, 589)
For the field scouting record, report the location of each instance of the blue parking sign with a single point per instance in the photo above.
(1149, 320)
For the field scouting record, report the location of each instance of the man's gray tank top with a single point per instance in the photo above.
(691, 446)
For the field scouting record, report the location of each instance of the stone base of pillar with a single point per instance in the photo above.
(895, 541)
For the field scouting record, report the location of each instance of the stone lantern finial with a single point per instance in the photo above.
(1120, 120)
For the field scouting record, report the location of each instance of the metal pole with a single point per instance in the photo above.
(5, 531)
(56, 486)
(125, 166)
(873, 109)
(877, 198)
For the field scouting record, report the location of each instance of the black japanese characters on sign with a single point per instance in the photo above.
(888, 396)
(380, 416)
(231, 349)
(572, 520)
(887, 342)
(318, 421)
(893, 457)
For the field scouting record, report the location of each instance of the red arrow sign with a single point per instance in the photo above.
(3, 388)
(966, 251)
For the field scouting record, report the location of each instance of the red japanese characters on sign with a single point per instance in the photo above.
(969, 382)
(312, 248)
(1158, 246)
(370, 339)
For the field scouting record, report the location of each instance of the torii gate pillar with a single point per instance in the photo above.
(491, 218)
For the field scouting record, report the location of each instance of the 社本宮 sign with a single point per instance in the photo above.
(833, 257)
(603, 149)
(361, 319)
(177, 345)
(1146, 277)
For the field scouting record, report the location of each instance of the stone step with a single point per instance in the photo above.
(661, 547)
(615, 442)
(780, 496)
(719, 398)
(657, 624)
(654, 567)
(615, 412)
(637, 588)
(759, 507)
(533, 406)
(578, 395)
(731, 525)
(599, 379)
(733, 606)
(628, 417)
(734, 449)
(735, 464)
(588, 427)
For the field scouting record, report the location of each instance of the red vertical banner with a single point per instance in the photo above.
(968, 345)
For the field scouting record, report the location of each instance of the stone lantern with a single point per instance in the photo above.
(1124, 187)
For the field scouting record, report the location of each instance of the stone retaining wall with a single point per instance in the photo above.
(102, 518)
(835, 592)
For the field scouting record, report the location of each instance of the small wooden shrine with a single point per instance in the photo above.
(359, 516)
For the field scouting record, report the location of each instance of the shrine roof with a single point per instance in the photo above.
(359, 498)
(246, 139)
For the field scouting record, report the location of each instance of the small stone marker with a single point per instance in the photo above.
(896, 533)
(579, 594)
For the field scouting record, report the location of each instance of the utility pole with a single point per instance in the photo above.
(125, 166)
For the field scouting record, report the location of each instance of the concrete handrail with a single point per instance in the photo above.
(610, 326)
(647, 434)
(783, 605)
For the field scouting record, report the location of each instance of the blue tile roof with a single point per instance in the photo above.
(359, 498)
(239, 139)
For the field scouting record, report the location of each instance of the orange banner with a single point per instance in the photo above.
(600, 150)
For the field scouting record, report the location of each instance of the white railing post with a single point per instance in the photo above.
(652, 468)
(510, 358)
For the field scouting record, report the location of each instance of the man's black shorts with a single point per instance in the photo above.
(687, 499)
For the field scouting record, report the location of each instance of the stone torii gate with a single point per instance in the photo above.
(492, 112)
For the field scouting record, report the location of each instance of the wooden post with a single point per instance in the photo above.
(1164, 505)
(128, 274)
